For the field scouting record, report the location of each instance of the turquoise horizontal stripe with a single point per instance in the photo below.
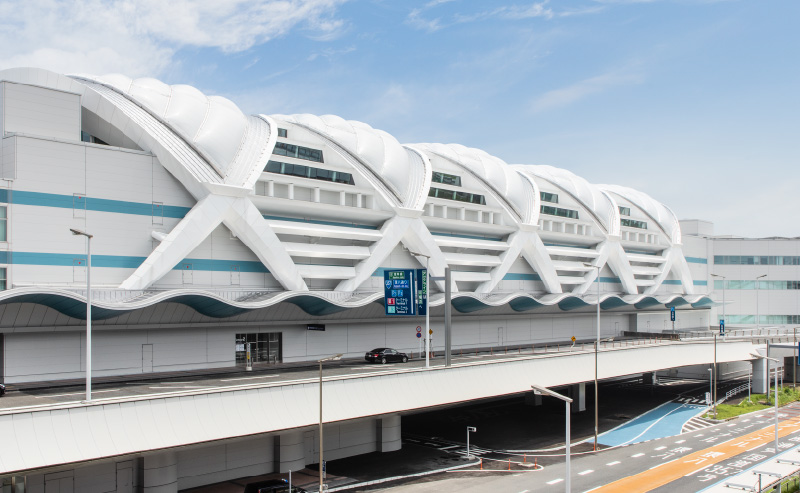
(672, 281)
(612, 280)
(697, 260)
(129, 262)
(91, 203)
(701, 283)
(513, 276)
(316, 221)
(570, 246)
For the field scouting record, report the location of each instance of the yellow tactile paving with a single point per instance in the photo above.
(670, 471)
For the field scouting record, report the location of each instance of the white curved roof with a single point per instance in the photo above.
(213, 125)
(591, 197)
(494, 172)
(660, 213)
(401, 172)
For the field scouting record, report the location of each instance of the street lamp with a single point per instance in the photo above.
(756, 355)
(723, 297)
(329, 358)
(539, 390)
(473, 430)
(427, 308)
(758, 314)
(78, 232)
(711, 387)
(596, 349)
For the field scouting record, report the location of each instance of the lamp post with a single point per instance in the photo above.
(539, 390)
(321, 448)
(723, 295)
(758, 314)
(469, 429)
(756, 355)
(710, 386)
(596, 349)
(78, 232)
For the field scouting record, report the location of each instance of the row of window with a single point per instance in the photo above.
(558, 211)
(300, 152)
(549, 197)
(309, 172)
(624, 211)
(765, 319)
(633, 223)
(3, 224)
(755, 260)
(282, 132)
(446, 179)
(772, 285)
(472, 198)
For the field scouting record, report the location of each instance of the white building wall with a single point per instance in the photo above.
(35, 110)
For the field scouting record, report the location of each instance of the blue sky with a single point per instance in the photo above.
(692, 101)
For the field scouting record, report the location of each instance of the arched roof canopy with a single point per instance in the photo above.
(658, 212)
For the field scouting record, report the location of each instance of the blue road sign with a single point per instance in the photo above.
(419, 335)
(398, 294)
(672, 313)
(422, 291)
(722, 326)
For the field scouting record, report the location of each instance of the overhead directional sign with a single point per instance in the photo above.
(399, 292)
(422, 291)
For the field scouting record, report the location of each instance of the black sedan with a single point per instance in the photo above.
(2, 389)
(385, 355)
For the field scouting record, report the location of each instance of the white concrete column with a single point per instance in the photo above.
(289, 452)
(578, 392)
(759, 383)
(161, 473)
(388, 433)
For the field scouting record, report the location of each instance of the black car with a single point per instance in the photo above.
(385, 355)
(272, 486)
(2, 389)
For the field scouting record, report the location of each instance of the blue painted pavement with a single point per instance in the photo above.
(664, 421)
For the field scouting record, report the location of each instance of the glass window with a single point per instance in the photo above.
(309, 172)
(558, 211)
(446, 179)
(549, 197)
(282, 132)
(3, 223)
(632, 223)
(3, 278)
(624, 211)
(472, 198)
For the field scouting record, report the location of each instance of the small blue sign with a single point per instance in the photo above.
(672, 313)
(419, 334)
(722, 327)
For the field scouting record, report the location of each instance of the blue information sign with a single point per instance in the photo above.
(398, 293)
(672, 313)
(722, 327)
(422, 291)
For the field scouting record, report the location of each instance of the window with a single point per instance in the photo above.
(625, 211)
(309, 172)
(446, 179)
(549, 197)
(3, 279)
(3, 223)
(751, 284)
(299, 152)
(632, 223)
(755, 260)
(282, 132)
(558, 211)
(472, 198)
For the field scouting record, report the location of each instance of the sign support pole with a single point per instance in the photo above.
(427, 314)
(448, 318)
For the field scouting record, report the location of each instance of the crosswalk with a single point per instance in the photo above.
(690, 400)
(473, 451)
(696, 424)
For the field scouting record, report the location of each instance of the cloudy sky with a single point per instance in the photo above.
(695, 102)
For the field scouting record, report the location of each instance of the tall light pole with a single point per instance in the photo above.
(469, 429)
(321, 448)
(758, 314)
(756, 355)
(78, 232)
(537, 389)
(596, 349)
(723, 295)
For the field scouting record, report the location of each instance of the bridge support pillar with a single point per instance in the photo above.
(760, 381)
(289, 452)
(161, 473)
(532, 399)
(649, 378)
(578, 394)
(388, 431)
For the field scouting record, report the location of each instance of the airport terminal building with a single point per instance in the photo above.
(211, 229)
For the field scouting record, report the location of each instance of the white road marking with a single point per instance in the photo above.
(734, 424)
(186, 387)
(698, 435)
(523, 491)
(613, 463)
(584, 473)
(555, 481)
(680, 441)
(448, 447)
(75, 393)
(637, 455)
(660, 448)
(247, 378)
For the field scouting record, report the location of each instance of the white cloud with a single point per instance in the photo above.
(140, 37)
(575, 92)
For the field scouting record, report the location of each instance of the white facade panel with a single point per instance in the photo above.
(40, 111)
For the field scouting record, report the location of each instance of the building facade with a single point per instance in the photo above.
(213, 229)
